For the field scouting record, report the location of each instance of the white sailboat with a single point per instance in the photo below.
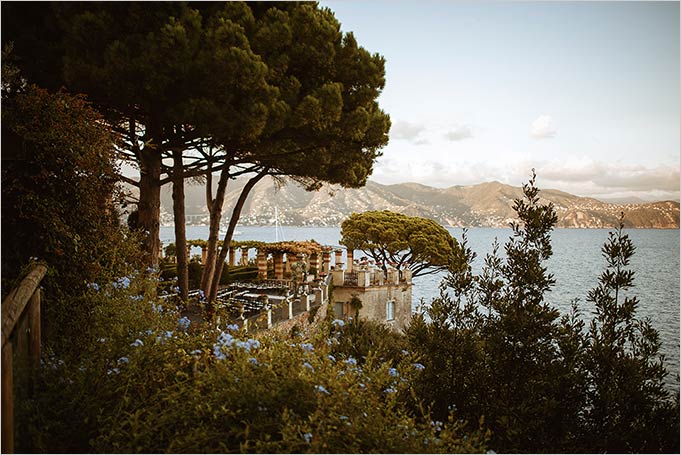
(278, 233)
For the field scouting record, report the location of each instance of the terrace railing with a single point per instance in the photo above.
(20, 343)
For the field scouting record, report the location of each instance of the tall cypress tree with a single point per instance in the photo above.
(628, 409)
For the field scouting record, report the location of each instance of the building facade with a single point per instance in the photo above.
(365, 291)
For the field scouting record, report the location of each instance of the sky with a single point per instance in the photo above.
(587, 93)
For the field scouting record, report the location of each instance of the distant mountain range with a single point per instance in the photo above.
(483, 205)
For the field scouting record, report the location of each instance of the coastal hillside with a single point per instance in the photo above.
(483, 205)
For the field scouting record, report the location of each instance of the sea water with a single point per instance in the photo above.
(576, 264)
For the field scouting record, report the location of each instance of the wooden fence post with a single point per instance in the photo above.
(7, 400)
(20, 325)
(34, 330)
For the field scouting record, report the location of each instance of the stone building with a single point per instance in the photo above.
(294, 277)
(365, 291)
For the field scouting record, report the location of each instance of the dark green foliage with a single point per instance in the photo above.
(195, 274)
(494, 348)
(628, 406)
(411, 242)
(360, 338)
(276, 87)
(520, 334)
(239, 273)
(147, 385)
(58, 178)
(229, 274)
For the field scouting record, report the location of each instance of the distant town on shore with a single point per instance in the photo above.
(484, 205)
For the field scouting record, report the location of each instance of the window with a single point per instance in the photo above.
(338, 310)
(390, 310)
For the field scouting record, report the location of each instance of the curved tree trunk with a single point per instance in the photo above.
(180, 229)
(226, 244)
(209, 205)
(215, 210)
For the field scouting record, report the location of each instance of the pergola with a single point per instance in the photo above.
(290, 258)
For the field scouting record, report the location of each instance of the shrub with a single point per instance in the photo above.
(361, 339)
(58, 178)
(151, 383)
(628, 408)
(494, 348)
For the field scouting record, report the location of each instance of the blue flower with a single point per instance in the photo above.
(122, 283)
(321, 389)
(157, 308)
(248, 345)
(137, 342)
(123, 360)
(226, 339)
(217, 352)
(184, 323)
(436, 424)
(343, 417)
(351, 361)
(233, 327)
(390, 390)
(196, 352)
(362, 386)
(113, 370)
(393, 372)
(419, 366)
(308, 437)
(102, 340)
(308, 366)
(338, 322)
(253, 360)
(332, 358)
(93, 286)
(136, 298)
(405, 352)
(307, 347)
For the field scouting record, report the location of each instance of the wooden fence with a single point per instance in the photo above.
(20, 342)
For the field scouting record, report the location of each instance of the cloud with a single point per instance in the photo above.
(581, 177)
(459, 133)
(542, 127)
(408, 131)
(613, 176)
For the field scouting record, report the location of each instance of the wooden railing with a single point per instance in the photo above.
(20, 341)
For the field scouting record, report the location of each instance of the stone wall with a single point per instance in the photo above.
(374, 300)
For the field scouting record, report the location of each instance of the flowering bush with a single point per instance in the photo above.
(148, 384)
